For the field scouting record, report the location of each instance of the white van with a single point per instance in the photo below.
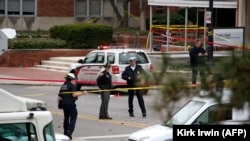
(199, 110)
(25, 119)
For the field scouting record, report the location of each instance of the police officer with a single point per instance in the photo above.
(66, 100)
(198, 61)
(132, 75)
(104, 82)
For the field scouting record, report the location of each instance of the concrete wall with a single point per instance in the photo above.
(44, 23)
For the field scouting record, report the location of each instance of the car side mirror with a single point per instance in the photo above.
(80, 61)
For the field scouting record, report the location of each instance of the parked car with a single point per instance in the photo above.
(23, 119)
(88, 68)
(199, 110)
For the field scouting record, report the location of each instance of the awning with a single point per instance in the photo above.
(193, 3)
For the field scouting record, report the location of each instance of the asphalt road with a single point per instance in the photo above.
(88, 126)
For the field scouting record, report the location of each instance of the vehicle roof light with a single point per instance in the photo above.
(111, 47)
(33, 106)
(203, 93)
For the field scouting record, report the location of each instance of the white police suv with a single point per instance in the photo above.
(88, 68)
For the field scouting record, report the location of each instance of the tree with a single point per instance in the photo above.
(236, 70)
(124, 20)
(232, 72)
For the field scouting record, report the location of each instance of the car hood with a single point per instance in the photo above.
(153, 133)
(74, 66)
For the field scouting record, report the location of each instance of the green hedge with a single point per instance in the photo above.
(83, 36)
(36, 43)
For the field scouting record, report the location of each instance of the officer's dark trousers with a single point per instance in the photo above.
(139, 98)
(105, 96)
(195, 71)
(70, 116)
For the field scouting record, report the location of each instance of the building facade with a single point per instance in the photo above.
(43, 14)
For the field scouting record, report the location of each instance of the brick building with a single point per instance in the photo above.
(42, 14)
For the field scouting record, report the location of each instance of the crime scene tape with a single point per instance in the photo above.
(118, 89)
(133, 88)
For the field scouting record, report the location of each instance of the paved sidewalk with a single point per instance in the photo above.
(30, 76)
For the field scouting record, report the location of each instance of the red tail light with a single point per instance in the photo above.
(151, 68)
(115, 70)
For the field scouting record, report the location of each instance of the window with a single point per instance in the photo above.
(111, 58)
(18, 131)
(90, 58)
(2, 7)
(81, 7)
(49, 132)
(100, 59)
(17, 7)
(96, 8)
(28, 7)
(141, 58)
(107, 9)
(215, 114)
(95, 58)
(13, 7)
(185, 113)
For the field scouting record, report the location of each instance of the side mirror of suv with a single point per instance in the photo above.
(80, 61)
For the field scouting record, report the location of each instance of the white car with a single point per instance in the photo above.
(199, 110)
(88, 68)
(23, 119)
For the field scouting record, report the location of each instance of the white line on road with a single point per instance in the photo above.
(104, 137)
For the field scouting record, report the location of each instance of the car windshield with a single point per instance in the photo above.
(141, 57)
(184, 113)
(17, 131)
(94, 57)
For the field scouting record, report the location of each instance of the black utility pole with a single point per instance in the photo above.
(209, 20)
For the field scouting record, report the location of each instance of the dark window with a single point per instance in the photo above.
(141, 57)
(95, 58)
(215, 114)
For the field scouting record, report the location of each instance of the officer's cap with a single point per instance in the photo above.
(70, 76)
(132, 59)
(107, 65)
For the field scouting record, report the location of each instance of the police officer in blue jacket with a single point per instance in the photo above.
(66, 100)
(133, 75)
(104, 81)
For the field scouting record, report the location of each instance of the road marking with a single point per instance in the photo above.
(103, 137)
(107, 121)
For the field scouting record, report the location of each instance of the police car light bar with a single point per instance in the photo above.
(111, 47)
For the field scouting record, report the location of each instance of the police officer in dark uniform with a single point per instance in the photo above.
(198, 61)
(66, 100)
(104, 82)
(133, 75)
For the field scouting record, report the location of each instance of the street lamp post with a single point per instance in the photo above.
(209, 16)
